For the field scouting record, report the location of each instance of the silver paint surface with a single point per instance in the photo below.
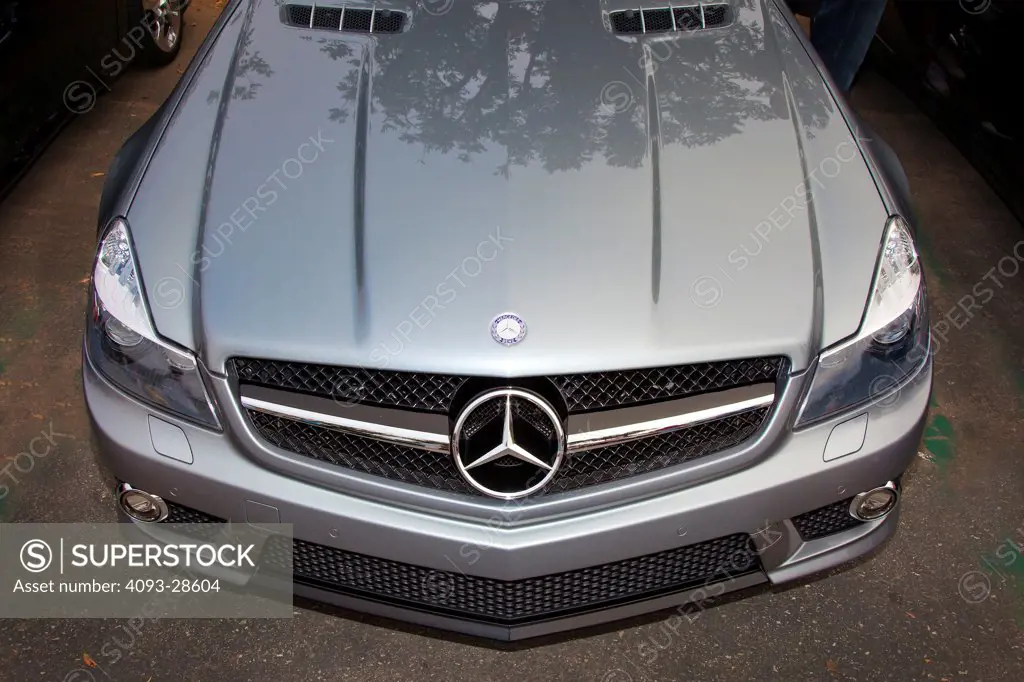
(479, 162)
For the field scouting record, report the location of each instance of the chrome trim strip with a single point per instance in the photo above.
(368, 414)
(614, 426)
(762, 396)
(434, 442)
(312, 14)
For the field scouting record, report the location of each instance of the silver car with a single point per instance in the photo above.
(525, 315)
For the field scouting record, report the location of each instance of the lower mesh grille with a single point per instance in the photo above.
(176, 513)
(828, 520)
(518, 601)
(437, 470)
(197, 521)
(499, 601)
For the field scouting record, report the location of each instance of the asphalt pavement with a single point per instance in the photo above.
(943, 600)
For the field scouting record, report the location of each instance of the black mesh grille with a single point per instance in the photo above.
(327, 17)
(657, 20)
(177, 513)
(507, 602)
(599, 390)
(434, 392)
(385, 21)
(715, 16)
(688, 18)
(660, 20)
(409, 390)
(827, 520)
(627, 22)
(394, 462)
(515, 602)
(615, 462)
(299, 15)
(437, 470)
(352, 19)
(197, 521)
(357, 20)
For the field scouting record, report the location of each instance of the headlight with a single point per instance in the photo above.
(892, 343)
(123, 344)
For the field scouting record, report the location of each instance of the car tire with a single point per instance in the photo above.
(165, 28)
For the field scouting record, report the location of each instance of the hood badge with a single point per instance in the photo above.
(508, 329)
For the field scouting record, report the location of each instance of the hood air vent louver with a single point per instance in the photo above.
(669, 19)
(351, 19)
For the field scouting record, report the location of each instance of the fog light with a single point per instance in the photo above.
(140, 505)
(874, 504)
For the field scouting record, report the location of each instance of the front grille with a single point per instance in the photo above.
(827, 520)
(518, 601)
(435, 392)
(437, 470)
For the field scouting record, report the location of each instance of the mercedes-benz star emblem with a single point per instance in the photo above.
(508, 329)
(508, 443)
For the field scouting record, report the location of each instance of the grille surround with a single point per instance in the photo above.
(436, 393)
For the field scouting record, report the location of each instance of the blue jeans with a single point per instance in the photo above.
(841, 32)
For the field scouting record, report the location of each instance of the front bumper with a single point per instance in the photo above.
(224, 481)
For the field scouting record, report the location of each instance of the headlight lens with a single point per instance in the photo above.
(892, 344)
(123, 344)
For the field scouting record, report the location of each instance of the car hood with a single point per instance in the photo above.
(378, 200)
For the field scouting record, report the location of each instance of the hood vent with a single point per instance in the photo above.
(351, 19)
(669, 19)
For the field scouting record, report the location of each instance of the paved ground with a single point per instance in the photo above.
(903, 615)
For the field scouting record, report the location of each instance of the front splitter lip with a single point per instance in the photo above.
(696, 597)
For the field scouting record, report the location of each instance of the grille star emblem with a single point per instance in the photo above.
(508, 446)
(508, 443)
